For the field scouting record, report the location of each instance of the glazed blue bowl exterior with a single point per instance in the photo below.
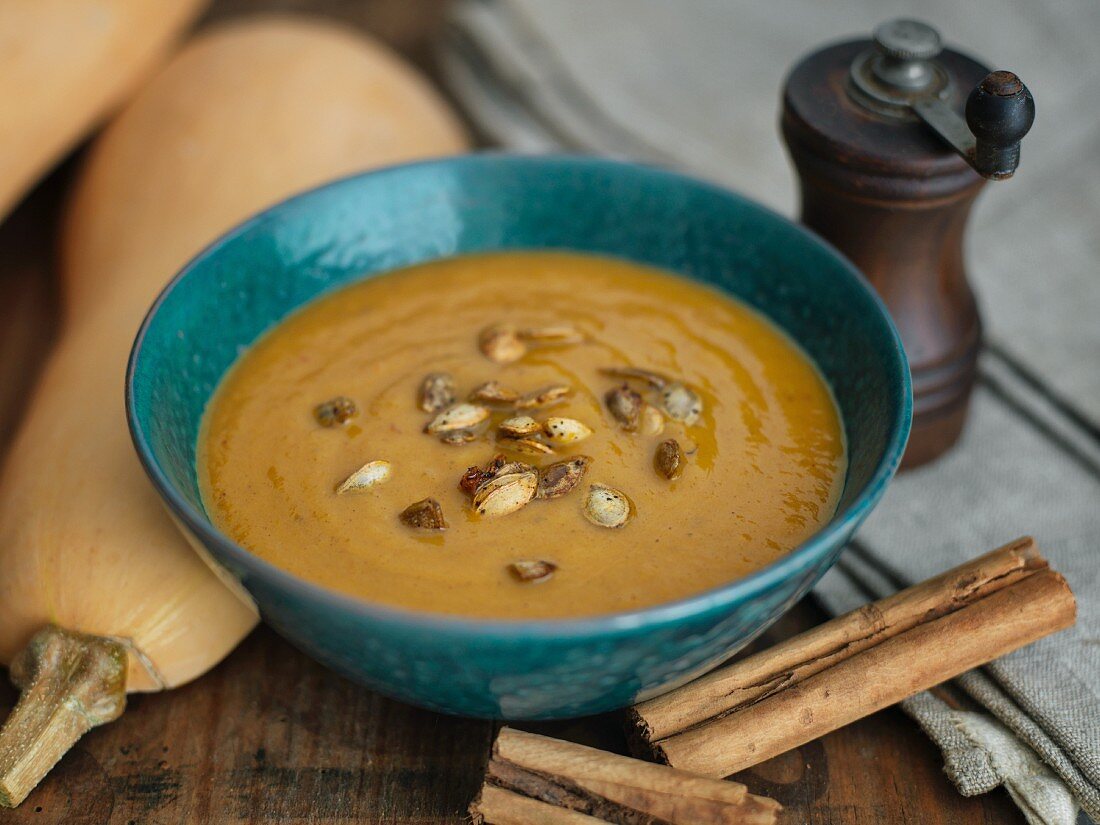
(361, 226)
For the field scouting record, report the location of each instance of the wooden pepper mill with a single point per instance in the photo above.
(889, 169)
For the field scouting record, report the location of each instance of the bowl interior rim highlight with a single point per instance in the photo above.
(722, 596)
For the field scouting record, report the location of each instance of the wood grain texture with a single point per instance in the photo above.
(271, 737)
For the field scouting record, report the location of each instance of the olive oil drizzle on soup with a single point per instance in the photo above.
(333, 398)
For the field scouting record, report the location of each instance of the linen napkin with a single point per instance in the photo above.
(695, 85)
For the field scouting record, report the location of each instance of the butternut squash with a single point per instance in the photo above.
(99, 594)
(291, 104)
(63, 65)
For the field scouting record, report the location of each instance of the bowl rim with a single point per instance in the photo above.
(662, 614)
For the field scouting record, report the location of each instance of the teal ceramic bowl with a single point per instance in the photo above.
(362, 226)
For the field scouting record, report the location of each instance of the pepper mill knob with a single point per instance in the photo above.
(999, 112)
(905, 47)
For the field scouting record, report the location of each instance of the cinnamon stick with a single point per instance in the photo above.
(793, 660)
(534, 779)
(860, 663)
(500, 807)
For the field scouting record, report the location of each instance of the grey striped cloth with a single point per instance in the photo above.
(695, 85)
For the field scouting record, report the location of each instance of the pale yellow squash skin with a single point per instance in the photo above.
(84, 540)
(240, 118)
(64, 64)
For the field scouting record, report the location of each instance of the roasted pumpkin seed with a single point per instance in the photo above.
(554, 334)
(470, 479)
(456, 438)
(561, 477)
(625, 406)
(475, 476)
(495, 394)
(437, 391)
(566, 430)
(654, 379)
(497, 465)
(335, 411)
(668, 459)
(457, 417)
(425, 514)
(527, 446)
(506, 493)
(501, 344)
(653, 421)
(514, 467)
(369, 475)
(607, 507)
(519, 426)
(681, 403)
(544, 396)
(532, 570)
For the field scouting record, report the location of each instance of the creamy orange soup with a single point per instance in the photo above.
(759, 443)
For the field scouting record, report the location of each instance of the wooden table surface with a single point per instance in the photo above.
(270, 736)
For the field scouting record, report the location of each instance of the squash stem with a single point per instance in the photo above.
(70, 683)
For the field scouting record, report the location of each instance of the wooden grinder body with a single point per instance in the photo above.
(895, 199)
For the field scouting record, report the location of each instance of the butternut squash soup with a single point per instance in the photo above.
(522, 435)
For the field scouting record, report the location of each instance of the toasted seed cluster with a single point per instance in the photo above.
(465, 422)
(674, 398)
(504, 486)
